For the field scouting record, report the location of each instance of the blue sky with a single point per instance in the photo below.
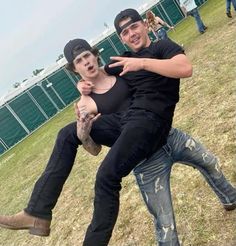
(33, 33)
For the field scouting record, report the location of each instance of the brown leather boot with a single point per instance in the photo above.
(24, 221)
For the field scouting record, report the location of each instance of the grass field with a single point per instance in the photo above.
(206, 111)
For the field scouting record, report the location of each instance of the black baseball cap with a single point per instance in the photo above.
(75, 47)
(131, 13)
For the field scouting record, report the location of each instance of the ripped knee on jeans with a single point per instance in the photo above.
(166, 231)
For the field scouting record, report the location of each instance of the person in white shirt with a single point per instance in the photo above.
(189, 7)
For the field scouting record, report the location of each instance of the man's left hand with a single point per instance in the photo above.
(84, 126)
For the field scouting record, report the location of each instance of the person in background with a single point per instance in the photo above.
(228, 7)
(156, 25)
(189, 7)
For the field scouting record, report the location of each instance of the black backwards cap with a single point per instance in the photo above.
(131, 13)
(74, 48)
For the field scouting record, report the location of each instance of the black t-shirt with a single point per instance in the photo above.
(115, 100)
(152, 91)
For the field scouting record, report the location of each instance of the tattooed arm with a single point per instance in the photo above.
(83, 131)
(84, 125)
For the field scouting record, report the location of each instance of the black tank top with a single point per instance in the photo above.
(117, 99)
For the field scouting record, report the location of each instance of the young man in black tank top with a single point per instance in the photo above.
(144, 128)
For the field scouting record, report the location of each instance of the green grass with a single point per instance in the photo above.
(206, 111)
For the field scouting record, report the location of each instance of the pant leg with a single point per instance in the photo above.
(162, 34)
(234, 4)
(228, 6)
(133, 145)
(48, 187)
(187, 150)
(156, 35)
(194, 13)
(153, 179)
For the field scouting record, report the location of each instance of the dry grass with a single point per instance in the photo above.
(206, 110)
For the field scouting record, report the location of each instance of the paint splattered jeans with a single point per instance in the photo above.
(153, 178)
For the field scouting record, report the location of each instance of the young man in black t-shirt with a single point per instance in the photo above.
(153, 71)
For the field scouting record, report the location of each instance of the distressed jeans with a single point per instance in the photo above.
(194, 13)
(153, 178)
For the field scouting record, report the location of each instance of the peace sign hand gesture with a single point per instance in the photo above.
(128, 64)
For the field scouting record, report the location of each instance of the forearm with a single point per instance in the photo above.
(84, 125)
(90, 146)
(167, 25)
(163, 23)
(160, 21)
(177, 67)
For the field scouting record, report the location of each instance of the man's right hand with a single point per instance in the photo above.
(85, 87)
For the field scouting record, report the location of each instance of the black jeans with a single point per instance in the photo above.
(48, 187)
(141, 133)
(138, 135)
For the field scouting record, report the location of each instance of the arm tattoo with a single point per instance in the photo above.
(91, 146)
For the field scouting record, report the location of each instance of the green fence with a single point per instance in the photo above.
(11, 130)
(23, 114)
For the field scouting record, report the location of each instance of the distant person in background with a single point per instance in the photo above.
(228, 7)
(189, 7)
(156, 25)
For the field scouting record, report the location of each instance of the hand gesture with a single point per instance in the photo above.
(84, 126)
(128, 64)
(84, 122)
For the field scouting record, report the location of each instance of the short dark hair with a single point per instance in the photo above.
(70, 66)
